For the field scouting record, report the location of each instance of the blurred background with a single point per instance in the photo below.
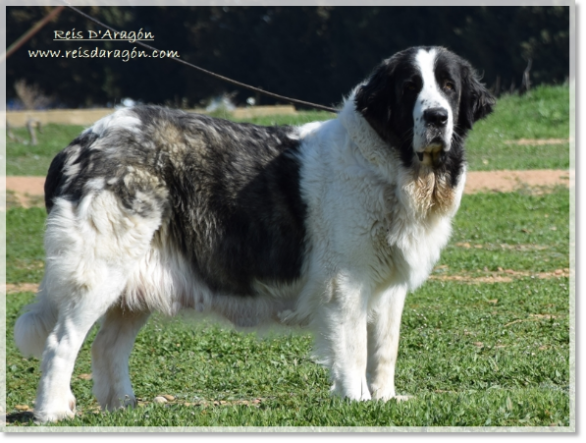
(312, 53)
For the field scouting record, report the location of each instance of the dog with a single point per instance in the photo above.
(327, 225)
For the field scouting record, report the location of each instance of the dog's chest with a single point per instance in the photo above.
(405, 247)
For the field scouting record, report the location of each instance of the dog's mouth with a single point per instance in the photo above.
(431, 154)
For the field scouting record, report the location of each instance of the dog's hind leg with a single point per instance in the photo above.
(110, 352)
(92, 247)
(383, 341)
(55, 400)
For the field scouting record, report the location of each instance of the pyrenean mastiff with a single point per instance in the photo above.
(329, 225)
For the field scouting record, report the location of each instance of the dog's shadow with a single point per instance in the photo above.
(20, 417)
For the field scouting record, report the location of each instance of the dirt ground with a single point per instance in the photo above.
(28, 191)
(508, 181)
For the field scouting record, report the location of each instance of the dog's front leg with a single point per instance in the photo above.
(383, 341)
(342, 338)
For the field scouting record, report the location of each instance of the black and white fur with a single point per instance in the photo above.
(329, 224)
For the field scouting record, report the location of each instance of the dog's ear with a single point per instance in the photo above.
(374, 99)
(476, 101)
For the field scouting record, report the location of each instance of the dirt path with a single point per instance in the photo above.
(508, 181)
(28, 191)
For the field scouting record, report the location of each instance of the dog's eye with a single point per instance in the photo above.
(410, 86)
(448, 85)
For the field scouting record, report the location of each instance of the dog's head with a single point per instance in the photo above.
(422, 101)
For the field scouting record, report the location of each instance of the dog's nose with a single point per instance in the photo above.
(436, 116)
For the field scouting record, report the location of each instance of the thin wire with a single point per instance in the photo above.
(213, 74)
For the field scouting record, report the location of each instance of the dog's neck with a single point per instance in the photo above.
(371, 145)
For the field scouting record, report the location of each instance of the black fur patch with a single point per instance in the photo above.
(55, 179)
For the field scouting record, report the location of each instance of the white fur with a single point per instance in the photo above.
(370, 245)
(372, 237)
(123, 118)
(429, 97)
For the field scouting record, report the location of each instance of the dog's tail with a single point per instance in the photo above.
(33, 327)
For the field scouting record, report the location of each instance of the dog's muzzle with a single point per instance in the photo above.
(435, 120)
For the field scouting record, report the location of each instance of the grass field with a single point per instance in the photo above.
(485, 342)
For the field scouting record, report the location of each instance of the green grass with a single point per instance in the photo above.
(490, 354)
(25, 255)
(511, 231)
(458, 357)
(543, 113)
(24, 159)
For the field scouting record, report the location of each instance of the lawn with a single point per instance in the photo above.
(543, 113)
(485, 342)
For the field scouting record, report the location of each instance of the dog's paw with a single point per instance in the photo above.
(382, 394)
(54, 415)
(358, 392)
(112, 402)
(55, 410)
